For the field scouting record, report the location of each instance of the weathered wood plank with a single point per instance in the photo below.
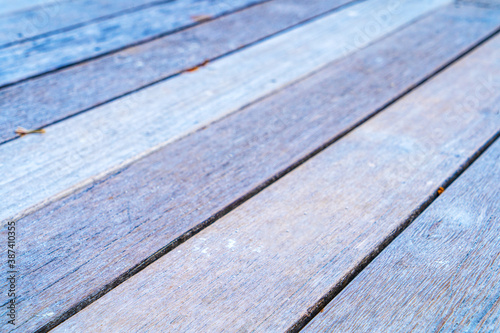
(265, 264)
(439, 275)
(7, 6)
(38, 102)
(79, 150)
(52, 16)
(217, 166)
(34, 57)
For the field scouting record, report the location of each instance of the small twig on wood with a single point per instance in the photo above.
(23, 131)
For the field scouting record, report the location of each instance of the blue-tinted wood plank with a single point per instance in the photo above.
(39, 102)
(105, 139)
(34, 57)
(264, 266)
(155, 201)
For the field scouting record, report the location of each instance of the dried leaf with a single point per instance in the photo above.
(23, 131)
(440, 190)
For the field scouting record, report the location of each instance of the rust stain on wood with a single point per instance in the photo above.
(23, 131)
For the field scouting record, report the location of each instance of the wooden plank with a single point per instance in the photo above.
(79, 150)
(215, 167)
(439, 275)
(35, 57)
(266, 264)
(38, 102)
(7, 6)
(53, 16)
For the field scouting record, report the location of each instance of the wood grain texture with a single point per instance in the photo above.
(58, 16)
(181, 186)
(440, 274)
(263, 266)
(79, 150)
(34, 57)
(8, 7)
(38, 102)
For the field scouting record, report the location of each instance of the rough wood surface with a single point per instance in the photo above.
(34, 57)
(81, 149)
(439, 275)
(216, 166)
(38, 102)
(263, 266)
(54, 16)
(8, 6)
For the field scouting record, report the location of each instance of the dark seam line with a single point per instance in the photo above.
(47, 202)
(314, 310)
(260, 40)
(133, 44)
(84, 23)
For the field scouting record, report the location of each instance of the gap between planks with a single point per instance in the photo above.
(46, 55)
(416, 264)
(108, 138)
(325, 301)
(367, 56)
(420, 164)
(132, 69)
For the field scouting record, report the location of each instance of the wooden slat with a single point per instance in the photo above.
(79, 150)
(63, 15)
(34, 57)
(183, 185)
(265, 264)
(38, 102)
(440, 275)
(8, 6)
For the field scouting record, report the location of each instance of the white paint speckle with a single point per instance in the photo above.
(230, 243)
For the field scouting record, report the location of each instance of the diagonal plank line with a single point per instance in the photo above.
(134, 127)
(168, 77)
(212, 235)
(316, 308)
(129, 45)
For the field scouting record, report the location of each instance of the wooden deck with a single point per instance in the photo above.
(250, 165)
